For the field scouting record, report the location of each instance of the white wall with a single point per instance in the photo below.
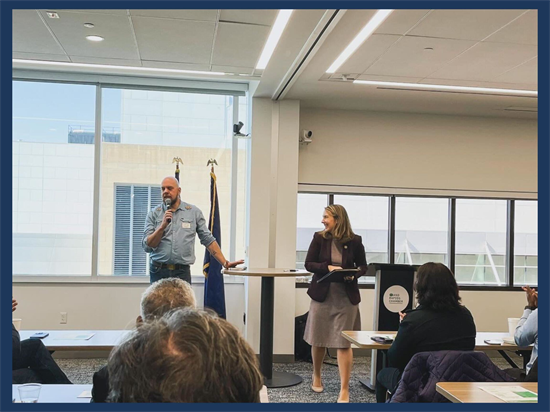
(99, 306)
(399, 152)
(490, 310)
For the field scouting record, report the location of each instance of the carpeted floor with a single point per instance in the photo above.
(80, 371)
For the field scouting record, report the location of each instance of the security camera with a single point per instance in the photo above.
(237, 130)
(306, 137)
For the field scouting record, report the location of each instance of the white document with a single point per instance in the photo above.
(512, 394)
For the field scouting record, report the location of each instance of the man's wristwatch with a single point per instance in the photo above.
(530, 307)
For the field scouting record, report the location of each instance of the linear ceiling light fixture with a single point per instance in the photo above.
(449, 88)
(363, 35)
(274, 37)
(108, 66)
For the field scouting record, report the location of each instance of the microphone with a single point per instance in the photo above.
(168, 203)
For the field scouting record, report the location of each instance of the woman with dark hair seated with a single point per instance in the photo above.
(439, 322)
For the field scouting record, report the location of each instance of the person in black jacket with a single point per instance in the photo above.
(440, 322)
(32, 362)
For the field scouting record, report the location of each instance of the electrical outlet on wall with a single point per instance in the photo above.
(63, 318)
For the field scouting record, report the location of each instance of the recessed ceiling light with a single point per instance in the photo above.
(52, 14)
(450, 88)
(108, 66)
(95, 38)
(363, 35)
(273, 39)
(89, 25)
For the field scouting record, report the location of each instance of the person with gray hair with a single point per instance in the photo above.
(188, 355)
(158, 299)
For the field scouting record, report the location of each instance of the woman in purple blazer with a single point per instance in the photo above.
(335, 305)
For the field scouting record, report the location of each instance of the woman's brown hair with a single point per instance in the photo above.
(342, 228)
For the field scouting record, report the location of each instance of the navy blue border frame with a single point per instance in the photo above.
(6, 188)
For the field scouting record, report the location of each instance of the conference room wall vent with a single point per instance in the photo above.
(132, 203)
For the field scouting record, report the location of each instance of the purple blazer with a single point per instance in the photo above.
(319, 258)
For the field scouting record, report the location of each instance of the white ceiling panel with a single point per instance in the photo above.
(464, 24)
(522, 30)
(201, 15)
(485, 61)
(233, 69)
(523, 74)
(99, 60)
(368, 53)
(408, 56)
(41, 56)
(401, 21)
(262, 17)
(71, 33)
(397, 79)
(174, 40)
(476, 83)
(175, 66)
(239, 44)
(116, 12)
(31, 35)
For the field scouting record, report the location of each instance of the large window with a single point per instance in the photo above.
(369, 219)
(478, 236)
(526, 243)
(421, 230)
(480, 241)
(53, 175)
(142, 131)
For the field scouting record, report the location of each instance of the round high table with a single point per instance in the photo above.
(273, 379)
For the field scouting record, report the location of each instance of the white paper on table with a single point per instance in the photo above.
(75, 336)
(515, 394)
(85, 394)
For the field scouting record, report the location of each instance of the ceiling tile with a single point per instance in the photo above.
(522, 30)
(98, 60)
(40, 56)
(368, 53)
(201, 15)
(476, 83)
(239, 44)
(464, 24)
(116, 12)
(262, 17)
(397, 79)
(408, 58)
(174, 40)
(31, 35)
(175, 66)
(525, 73)
(116, 29)
(233, 69)
(485, 61)
(401, 21)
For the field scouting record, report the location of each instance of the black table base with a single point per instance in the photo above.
(272, 379)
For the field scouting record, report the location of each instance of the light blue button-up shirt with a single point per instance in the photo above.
(177, 245)
(527, 333)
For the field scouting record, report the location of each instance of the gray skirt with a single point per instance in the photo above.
(326, 320)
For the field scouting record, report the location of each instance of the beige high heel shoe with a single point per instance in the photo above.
(317, 389)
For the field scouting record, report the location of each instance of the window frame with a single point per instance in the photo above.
(101, 82)
(451, 244)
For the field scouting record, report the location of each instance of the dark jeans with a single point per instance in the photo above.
(387, 379)
(36, 365)
(158, 273)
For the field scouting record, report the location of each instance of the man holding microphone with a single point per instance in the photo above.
(169, 236)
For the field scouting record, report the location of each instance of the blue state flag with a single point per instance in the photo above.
(214, 293)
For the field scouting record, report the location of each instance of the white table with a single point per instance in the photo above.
(58, 393)
(102, 340)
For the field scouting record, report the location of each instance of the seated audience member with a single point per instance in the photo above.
(31, 361)
(527, 333)
(158, 299)
(189, 355)
(440, 322)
